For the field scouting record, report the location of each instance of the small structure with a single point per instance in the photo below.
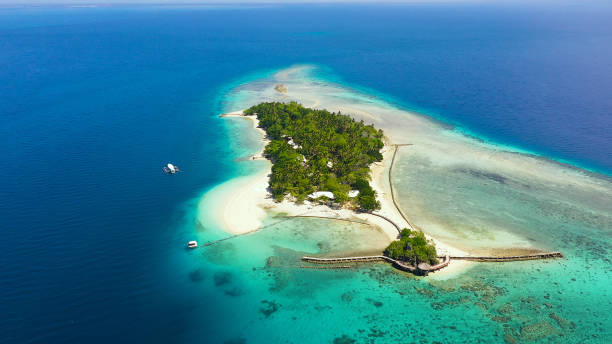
(171, 169)
(318, 194)
(192, 244)
(353, 193)
(423, 268)
(293, 144)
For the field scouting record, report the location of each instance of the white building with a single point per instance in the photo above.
(318, 194)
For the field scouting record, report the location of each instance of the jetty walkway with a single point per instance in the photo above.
(285, 218)
(399, 210)
(288, 218)
(399, 229)
(421, 268)
(363, 222)
(426, 268)
(533, 256)
(229, 237)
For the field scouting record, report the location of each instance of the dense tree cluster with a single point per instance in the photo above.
(316, 150)
(412, 247)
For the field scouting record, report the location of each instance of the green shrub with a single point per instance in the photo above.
(412, 247)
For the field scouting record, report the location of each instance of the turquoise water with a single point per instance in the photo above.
(94, 101)
(552, 301)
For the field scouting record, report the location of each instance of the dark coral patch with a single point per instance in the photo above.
(222, 278)
(196, 276)
(538, 331)
(234, 292)
(344, 340)
(268, 308)
(376, 303)
(347, 297)
(485, 175)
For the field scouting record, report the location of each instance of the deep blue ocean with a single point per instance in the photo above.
(94, 101)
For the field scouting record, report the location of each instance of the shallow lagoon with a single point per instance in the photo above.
(267, 295)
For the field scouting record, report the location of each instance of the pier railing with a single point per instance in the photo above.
(533, 256)
(424, 269)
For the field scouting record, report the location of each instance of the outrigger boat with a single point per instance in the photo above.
(171, 169)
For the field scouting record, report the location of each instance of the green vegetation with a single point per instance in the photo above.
(412, 247)
(316, 150)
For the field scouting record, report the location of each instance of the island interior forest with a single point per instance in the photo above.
(317, 150)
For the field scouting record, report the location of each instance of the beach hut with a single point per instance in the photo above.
(293, 144)
(353, 193)
(423, 268)
(318, 194)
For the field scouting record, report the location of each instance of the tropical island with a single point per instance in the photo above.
(319, 154)
(329, 159)
(326, 157)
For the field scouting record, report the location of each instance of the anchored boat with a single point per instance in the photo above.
(171, 169)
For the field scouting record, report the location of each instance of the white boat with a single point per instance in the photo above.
(171, 169)
(192, 244)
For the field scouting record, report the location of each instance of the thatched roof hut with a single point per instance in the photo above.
(424, 267)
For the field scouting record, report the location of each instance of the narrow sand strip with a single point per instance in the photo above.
(234, 205)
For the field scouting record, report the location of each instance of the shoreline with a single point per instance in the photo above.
(243, 202)
(255, 122)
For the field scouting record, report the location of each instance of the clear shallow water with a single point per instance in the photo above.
(93, 251)
(476, 196)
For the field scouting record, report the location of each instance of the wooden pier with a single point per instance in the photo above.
(337, 260)
(533, 256)
(229, 237)
(424, 269)
(362, 222)
(326, 267)
(399, 210)
(399, 229)
(284, 218)
(396, 263)
(364, 259)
